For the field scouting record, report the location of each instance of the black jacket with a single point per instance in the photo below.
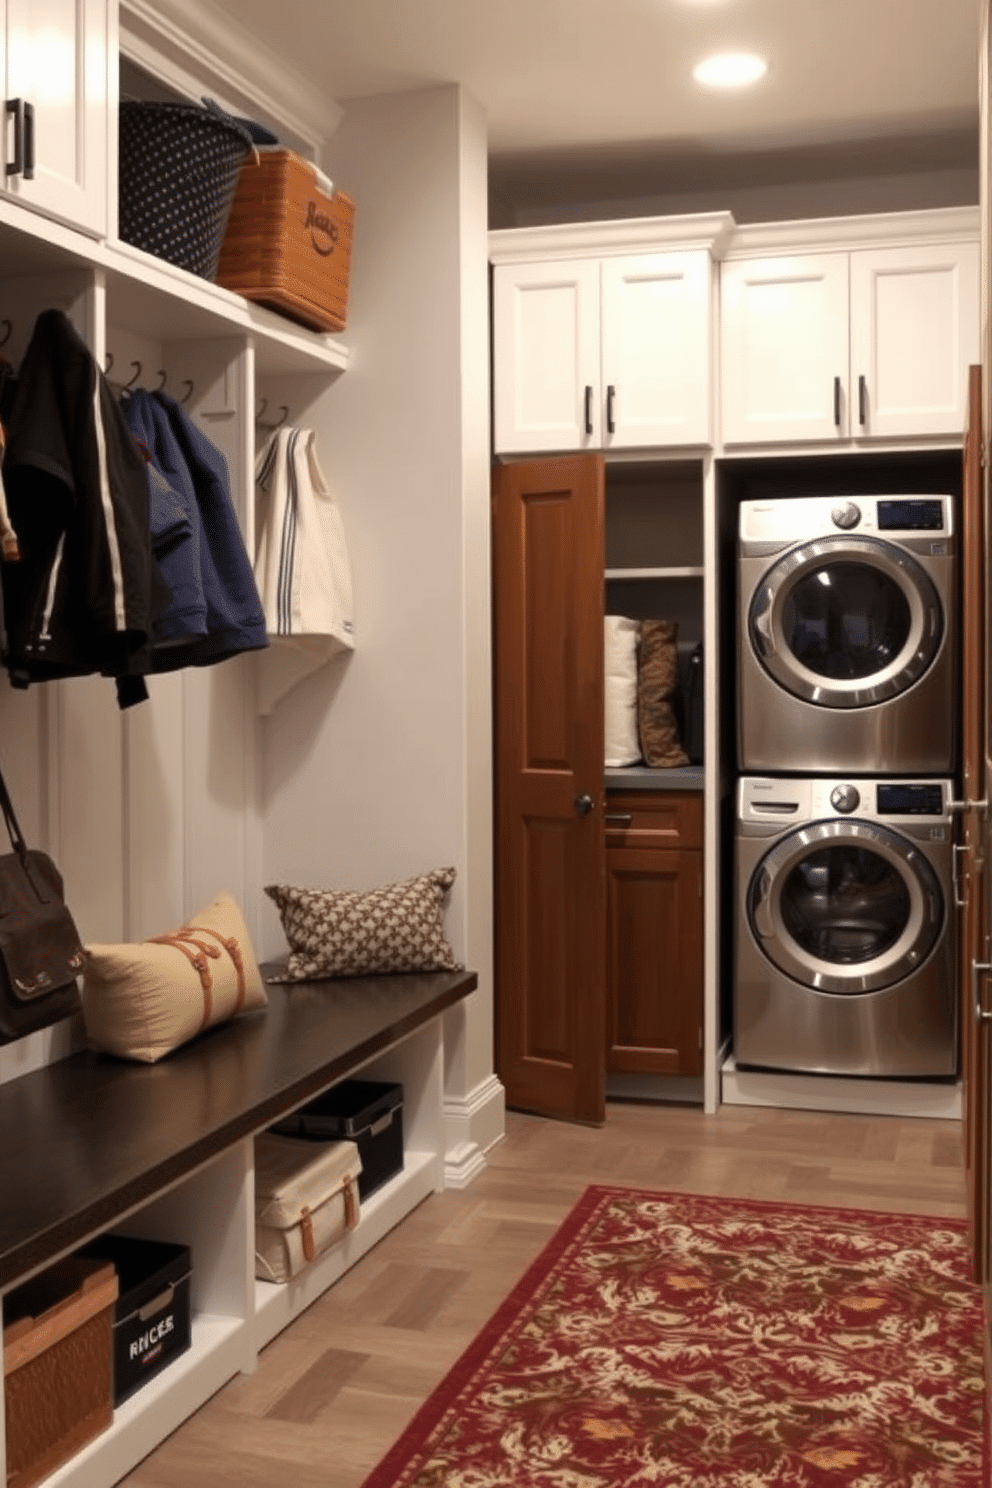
(83, 597)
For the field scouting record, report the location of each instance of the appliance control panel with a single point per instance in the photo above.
(798, 518)
(781, 799)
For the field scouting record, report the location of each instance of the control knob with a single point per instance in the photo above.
(844, 798)
(846, 516)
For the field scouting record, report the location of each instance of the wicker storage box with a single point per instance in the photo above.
(57, 1366)
(288, 244)
(306, 1200)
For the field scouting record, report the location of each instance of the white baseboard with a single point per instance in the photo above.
(472, 1124)
(840, 1093)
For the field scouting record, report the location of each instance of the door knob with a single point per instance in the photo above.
(584, 804)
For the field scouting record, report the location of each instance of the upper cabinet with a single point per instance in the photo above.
(57, 95)
(597, 348)
(850, 344)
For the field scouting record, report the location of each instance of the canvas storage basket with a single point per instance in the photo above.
(288, 241)
(179, 167)
(306, 1199)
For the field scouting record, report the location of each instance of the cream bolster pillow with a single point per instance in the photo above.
(143, 1000)
(623, 745)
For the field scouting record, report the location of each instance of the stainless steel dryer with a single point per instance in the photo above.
(844, 948)
(847, 635)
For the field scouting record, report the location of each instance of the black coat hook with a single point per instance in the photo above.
(8, 330)
(132, 380)
(189, 390)
(108, 366)
(164, 377)
(260, 414)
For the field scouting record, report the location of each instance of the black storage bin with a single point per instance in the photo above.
(151, 1318)
(368, 1112)
(179, 170)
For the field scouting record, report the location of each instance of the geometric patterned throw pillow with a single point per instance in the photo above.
(347, 932)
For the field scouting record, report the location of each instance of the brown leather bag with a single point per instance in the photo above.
(40, 951)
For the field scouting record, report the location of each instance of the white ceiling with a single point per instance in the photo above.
(573, 86)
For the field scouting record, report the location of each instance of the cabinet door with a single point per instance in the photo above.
(546, 356)
(654, 977)
(914, 333)
(57, 64)
(655, 961)
(656, 359)
(784, 364)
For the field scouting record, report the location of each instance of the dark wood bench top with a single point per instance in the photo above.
(86, 1139)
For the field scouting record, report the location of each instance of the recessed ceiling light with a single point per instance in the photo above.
(730, 70)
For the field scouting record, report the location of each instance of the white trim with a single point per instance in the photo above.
(797, 1092)
(709, 230)
(194, 48)
(882, 230)
(472, 1124)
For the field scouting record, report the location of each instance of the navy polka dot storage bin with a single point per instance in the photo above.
(179, 168)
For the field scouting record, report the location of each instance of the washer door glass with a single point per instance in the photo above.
(845, 904)
(847, 907)
(846, 622)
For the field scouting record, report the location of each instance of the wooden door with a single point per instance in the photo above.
(550, 896)
(546, 390)
(914, 333)
(784, 349)
(657, 363)
(976, 1032)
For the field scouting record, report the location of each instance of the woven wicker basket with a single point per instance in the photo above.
(288, 244)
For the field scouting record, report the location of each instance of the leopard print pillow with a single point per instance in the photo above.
(347, 932)
(657, 684)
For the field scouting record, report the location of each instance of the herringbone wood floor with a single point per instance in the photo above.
(334, 1390)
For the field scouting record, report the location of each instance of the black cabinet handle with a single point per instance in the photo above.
(588, 409)
(862, 400)
(837, 402)
(611, 393)
(29, 142)
(15, 106)
(583, 805)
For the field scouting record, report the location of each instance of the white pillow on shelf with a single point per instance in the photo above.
(620, 654)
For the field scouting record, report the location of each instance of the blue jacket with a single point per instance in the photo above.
(216, 611)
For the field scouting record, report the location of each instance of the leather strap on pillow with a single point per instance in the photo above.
(185, 940)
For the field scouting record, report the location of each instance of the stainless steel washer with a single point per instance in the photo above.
(844, 947)
(847, 635)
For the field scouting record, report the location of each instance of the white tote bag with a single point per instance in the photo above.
(301, 565)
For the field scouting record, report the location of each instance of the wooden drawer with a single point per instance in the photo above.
(654, 819)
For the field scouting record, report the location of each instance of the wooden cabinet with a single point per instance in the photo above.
(57, 91)
(654, 979)
(601, 348)
(833, 347)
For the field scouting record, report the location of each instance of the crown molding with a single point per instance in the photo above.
(881, 230)
(194, 47)
(709, 230)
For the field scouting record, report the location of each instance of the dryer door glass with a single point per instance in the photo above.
(846, 622)
(847, 907)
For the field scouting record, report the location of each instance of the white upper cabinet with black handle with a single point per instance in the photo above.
(599, 348)
(56, 106)
(828, 344)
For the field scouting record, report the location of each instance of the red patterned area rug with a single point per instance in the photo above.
(686, 1342)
